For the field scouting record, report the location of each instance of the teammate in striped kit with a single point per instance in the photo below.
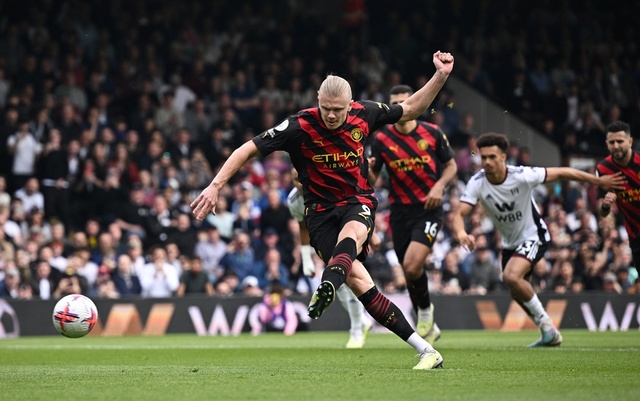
(326, 146)
(420, 164)
(505, 192)
(623, 160)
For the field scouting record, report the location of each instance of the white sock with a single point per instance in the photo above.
(424, 314)
(308, 266)
(540, 316)
(354, 308)
(419, 343)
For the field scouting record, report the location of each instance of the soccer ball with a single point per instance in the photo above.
(74, 316)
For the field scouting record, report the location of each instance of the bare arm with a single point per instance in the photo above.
(457, 224)
(434, 198)
(206, 201)
(607, 182)
(417, 103)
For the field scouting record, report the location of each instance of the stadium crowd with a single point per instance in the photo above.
(114, 115)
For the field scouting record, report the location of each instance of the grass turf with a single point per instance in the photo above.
(479, 365)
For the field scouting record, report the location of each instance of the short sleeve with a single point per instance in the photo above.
(444, 151)
(279, 137)
(382, 114)
(535, 175)
(470, 194)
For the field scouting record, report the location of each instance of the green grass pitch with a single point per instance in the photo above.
(478, 365)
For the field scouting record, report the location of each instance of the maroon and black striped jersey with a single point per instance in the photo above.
(414, 161)
(628, 199)
(331, 164)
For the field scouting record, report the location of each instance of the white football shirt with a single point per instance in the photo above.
(510, 204)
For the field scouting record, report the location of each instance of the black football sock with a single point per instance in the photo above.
(339, 265)
(386, 313)
(419, 292)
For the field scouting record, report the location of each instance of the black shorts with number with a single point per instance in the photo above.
(325, 226)
(414, 223)
(532, 250)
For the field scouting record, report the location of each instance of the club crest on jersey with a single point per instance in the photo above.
(357, 134)
(423, 145)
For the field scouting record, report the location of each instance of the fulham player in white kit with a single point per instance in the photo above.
(505, 192)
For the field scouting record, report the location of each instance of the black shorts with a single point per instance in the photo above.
(325, 226)
(414, 223)
(532, 250)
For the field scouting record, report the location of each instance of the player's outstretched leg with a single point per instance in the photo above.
(389, 315)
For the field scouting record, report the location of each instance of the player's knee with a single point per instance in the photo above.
(510, 278)
(412, 270)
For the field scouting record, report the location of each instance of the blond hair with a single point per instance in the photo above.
(335, 86)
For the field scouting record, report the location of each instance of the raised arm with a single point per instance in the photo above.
(606, 182)
(206, 201)
(417, 103)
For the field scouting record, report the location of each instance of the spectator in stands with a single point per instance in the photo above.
(194, 280)
(5, 198)
(10, 284)
(271, 270)
(210, 248)
(251, 287)
(276, 216)
(174, 256)
(71, 282)
(12, 230)
(167, 118)
(125, 280)
(577, 219)
(183, 235)
(24, 149)
(104, 286)
(134, 215)
(159, 279)
(223, 219)
(240, 257)
(451, 271)
(54, 174)
(276, 313)
(43, 283)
